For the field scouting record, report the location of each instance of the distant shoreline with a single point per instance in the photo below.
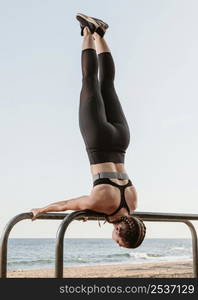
(173, 269)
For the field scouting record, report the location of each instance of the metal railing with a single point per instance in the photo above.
(79, 215)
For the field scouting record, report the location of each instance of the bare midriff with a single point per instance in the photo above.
(110, 167)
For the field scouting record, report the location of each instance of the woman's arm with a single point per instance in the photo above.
(79, 203)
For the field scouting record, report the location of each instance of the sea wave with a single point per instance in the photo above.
(108, 253)
(158, 257)
(143, 255)
(131, 257)
(76, 260)
(177, 249)
(28, 262)
(118, 255)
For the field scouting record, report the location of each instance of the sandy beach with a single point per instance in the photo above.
(152, 270)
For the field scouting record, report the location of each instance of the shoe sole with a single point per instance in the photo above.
(102, 23)
(88, 19)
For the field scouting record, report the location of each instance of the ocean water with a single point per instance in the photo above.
(40, 253)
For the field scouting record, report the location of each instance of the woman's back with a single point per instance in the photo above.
(107, 197)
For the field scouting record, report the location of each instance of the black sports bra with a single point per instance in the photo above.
(121, 188)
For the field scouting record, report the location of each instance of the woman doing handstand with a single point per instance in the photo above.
(106, 134)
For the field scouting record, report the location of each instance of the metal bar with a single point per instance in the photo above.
(193, 236)
(8, 228)
(167, 216)
(4, 241)
(60, 240)
(194, 247)
(145, 217)
(78, 215)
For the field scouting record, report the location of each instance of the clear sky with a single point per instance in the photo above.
(42, 155)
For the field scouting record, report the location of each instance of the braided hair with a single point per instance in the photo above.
(134, 231)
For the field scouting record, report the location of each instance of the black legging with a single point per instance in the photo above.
(102, 121)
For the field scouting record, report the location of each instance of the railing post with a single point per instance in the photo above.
(6, 232)
(60, 241)
(194, 247)
(68, 218)
(4, 241)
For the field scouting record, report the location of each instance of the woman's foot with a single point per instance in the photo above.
(86, 21)
(102, 27)
(94, 25)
